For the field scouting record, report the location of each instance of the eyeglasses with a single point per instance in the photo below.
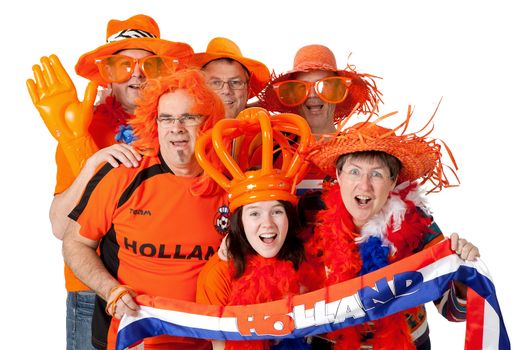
(375, 176)
(292, 93)
(119, 68)
(184, 119)
(234, 84)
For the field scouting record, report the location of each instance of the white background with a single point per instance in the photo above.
(468, 52)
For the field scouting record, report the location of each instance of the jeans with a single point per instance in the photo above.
(78, 320)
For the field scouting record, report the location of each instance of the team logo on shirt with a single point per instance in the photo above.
(222, 220)
(139, 212)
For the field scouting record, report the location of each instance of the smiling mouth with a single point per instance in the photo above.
(268, 237)
(314, 104)
(362, 200)
(178, 143)
(314, 107)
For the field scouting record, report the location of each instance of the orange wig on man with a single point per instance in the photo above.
(144, 124)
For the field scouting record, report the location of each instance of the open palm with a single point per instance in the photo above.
(54, 95)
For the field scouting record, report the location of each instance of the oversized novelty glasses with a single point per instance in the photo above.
(119, 68)
(292, 93)
(185, 119)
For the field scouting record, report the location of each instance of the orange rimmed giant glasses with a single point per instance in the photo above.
(292, 93)
(119, 68)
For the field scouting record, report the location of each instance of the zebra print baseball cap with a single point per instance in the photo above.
(137, 32)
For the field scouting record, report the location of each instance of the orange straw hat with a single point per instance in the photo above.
(363, 94)
(225, 48)
(137, 32)
(420, 156)
(267, 183)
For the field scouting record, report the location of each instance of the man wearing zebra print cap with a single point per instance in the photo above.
(86, 134)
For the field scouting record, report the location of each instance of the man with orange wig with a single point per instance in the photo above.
(153, 223)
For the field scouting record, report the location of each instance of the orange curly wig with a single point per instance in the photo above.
(144, 123)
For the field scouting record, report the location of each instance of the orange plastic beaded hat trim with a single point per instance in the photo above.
(267, 183)
(137, 32)
(363, 95)
(225, 48)
(419, 155)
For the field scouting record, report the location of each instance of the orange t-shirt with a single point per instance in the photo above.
(214, 285)
(155, 236)
(103, 134)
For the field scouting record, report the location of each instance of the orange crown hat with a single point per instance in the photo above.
(420, 155)
(363, 95)
(225, 48)
(137, 32)
(267, 183)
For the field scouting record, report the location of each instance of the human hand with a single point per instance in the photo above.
(466, 250)
(54, 95)
(223, 250)
(120, 302)
(126, 154)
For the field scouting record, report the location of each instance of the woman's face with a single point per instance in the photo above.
(266, 226)
(365, 185)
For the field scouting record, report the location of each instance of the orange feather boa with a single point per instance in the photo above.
(334, 246)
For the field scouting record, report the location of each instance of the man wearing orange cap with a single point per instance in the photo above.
(154, 224)
(234, 77)
(133, 52)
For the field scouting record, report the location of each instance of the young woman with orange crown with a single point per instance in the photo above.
(265, 253)
(376, 214)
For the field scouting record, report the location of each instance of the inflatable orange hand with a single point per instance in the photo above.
(54, 95)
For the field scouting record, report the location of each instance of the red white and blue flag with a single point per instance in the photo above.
(413, 281)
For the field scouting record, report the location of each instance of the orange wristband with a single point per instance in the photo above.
(112, 302)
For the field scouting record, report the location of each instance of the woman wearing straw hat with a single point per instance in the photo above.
(376, 215)
(133, 52)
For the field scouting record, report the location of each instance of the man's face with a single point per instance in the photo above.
(177, 141)
(318, 114)
(127, 92)
(222, 70)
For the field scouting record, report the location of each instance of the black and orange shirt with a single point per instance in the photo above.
(155, 236)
